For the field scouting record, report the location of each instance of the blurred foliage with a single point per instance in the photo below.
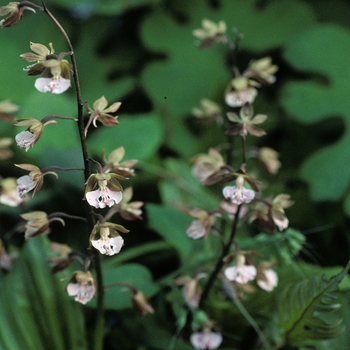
(142, 53)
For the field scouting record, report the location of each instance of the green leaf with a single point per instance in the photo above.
(141, 135)
(307, 310)
(36, 313)
(322, 51)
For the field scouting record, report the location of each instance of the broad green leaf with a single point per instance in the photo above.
(36, 313)
(308, 310)
(188, 74)
(140, 135)
(322, 51)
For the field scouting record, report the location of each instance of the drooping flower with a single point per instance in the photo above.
(130, 210)
(114, 164)
(207, 112)
(245, 122)
(240, 91)
(270, 212)
(201, 226)
(63, 256)
(109, 190)
(82, 286)
(26, 139)
(54, 69)
(15, 11)
(38, 223)
(207, 164)
(262, 70)
(279, 203)
(241, 273)
(106, 238)
(210, 33)
(238, 194)
(206, 340)
(191, 289)
(141, 303)
(100, 112)
(268, 157)
(9, 193)
(266, 277)
(34, 180)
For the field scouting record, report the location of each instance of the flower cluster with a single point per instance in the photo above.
(242, 273)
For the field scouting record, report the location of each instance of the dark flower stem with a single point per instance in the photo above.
(98, 333)
(220, 263)
(244, 151)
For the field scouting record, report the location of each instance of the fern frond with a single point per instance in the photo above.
(308, 310)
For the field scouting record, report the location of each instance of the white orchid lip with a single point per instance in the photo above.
(25, 139)
(196, 230)
(203, 340)
(101, 198)
(241, 274)
(238, 194)
(109, 246)
(56, 86)
(24, 185)
(83, 292)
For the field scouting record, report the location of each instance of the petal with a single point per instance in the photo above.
(92, 198)
(270, 280)
(114, 196)
(248, 195)
(238, 194)
(85, 294)
(113, 108)
(56, 86)
(24, 185)
(25, 139)
(73, 288)
(100, 104)
(196, 230)
(110, 246)
(240, 98)
(206, 340)
(39, 49)
(231, 273)
(246, 273)
(229, 191)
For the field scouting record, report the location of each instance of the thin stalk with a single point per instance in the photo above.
(244, 150)
(97, 343)
(220, 262)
